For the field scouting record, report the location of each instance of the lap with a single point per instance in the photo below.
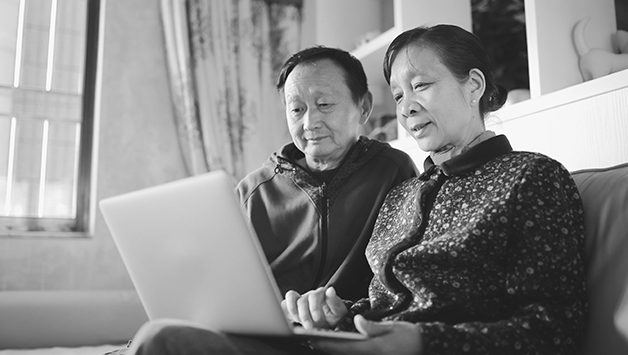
(175, 337)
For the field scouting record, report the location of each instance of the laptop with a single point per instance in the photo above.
(193, 255)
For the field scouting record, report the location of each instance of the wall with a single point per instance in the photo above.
(138, 148)
(357, 17)
(585, 133)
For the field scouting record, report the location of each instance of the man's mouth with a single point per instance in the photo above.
(314, 139)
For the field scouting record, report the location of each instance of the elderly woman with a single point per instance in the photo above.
(480, 254)
(483, 252)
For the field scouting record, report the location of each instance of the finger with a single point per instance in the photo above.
(317, 300)
(290, 303)
(303, 311)
(371, 328)
(336, 306)
(286, 313)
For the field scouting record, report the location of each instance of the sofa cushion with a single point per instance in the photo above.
(605, 197)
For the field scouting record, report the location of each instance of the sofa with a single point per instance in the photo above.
(88, 322)
(604, 194)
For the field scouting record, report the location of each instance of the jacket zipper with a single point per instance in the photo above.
(324, 236)
(280, 169)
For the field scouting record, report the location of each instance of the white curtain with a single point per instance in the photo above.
(223, 59)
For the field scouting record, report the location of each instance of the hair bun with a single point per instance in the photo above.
(497, 98)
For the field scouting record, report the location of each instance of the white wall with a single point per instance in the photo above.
(339, 23)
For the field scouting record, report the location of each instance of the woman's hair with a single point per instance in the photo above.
(355, 78)
(459, 50)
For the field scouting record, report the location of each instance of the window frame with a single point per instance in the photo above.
(82, 225)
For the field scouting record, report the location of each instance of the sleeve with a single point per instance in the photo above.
(544, 281)
(360, 306)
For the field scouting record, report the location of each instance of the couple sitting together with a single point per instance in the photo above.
(481, 253)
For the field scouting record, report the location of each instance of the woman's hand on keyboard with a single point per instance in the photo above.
(320, 308)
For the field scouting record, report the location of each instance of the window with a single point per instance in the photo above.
(48, 51)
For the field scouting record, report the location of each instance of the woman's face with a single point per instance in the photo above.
(322, 117)
(432, 105)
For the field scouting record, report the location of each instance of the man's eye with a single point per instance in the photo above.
(326, 106)
(397, 98)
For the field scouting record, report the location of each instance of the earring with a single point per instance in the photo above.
(474, 101)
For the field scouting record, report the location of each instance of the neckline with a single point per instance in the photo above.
(474, 157)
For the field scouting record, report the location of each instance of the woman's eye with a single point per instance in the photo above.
(397, 97)
(419, 86)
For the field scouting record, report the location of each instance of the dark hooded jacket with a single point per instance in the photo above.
(314, 233)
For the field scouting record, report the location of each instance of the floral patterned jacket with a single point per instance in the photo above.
(485, 252)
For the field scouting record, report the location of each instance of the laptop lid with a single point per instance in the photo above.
(193, 255)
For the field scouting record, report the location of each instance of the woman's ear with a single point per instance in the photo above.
(366, 106)
(477, 84)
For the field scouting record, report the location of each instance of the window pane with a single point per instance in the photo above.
(69, 56)
(5, 139)
(25, 192)
(35, 44)
(46, 105)
(8, 40)
(6, 101)
(61, 165)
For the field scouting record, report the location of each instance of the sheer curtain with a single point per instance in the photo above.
(223, 59)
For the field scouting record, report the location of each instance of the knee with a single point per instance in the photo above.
(154, 337)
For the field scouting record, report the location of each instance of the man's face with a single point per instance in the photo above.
(322, 117)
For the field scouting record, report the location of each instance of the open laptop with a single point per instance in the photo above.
(193, 255)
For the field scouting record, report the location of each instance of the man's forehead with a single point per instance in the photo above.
(314, 78)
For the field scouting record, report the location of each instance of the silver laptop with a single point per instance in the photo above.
(193, 255)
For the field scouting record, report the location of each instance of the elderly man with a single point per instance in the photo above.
(314, 202)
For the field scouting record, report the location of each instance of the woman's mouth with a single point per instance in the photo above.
(418, 127)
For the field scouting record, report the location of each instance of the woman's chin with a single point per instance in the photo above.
(425, 144)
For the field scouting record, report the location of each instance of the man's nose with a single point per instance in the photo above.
(312, 120)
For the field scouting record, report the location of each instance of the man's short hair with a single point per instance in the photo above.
(355, 78)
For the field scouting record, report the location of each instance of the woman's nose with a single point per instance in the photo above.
(409, 108)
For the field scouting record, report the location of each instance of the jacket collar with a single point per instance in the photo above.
(476, 156)
(361, 152)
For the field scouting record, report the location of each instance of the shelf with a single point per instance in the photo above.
(372, 54)
(564, 96)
